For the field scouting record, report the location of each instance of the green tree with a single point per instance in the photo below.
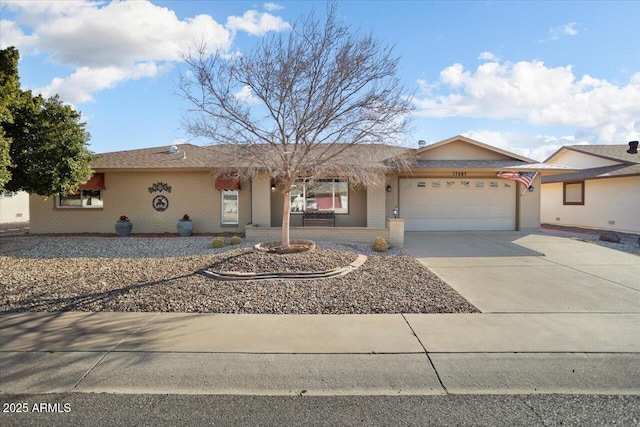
(9, 92)
(47, 141)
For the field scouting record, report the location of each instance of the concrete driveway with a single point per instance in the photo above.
(519, 272)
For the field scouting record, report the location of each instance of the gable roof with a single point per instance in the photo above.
(616, 152)
(477, 144)
(629, 164)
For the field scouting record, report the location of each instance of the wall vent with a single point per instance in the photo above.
(611, 222)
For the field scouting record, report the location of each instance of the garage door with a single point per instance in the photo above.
(458, 204)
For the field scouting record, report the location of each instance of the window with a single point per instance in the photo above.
(331, 195)
(573, 193)
(229, 206)
(82, 199)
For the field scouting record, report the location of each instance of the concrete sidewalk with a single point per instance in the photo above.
(324, 355)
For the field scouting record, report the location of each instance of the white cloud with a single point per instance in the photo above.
(80, 86)
(109, 43)
(257, 23)
(538, 147)
(12, 35)
(272, 6)
(246, 95)
(487, 56)
(562, 30)
(540, 95)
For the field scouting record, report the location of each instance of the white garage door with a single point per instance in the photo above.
(458, 204)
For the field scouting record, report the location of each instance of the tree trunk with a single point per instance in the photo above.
(286, 214)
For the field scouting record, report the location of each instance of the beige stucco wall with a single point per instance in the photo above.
(460, 150)
(578, 160)
(611, 199)
(127, 194)
(261, 200)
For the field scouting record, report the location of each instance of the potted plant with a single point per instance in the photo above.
(123, 226)
(185, 226)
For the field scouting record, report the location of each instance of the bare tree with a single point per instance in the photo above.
(297, 104)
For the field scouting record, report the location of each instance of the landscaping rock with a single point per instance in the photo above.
(610, 237)
(162, 275)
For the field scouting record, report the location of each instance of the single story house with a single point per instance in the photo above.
(603, 194)
(450, 185)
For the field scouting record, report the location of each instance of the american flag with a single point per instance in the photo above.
(525, 178)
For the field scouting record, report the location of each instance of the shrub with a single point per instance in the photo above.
(235, 240)
(218, 242)
(380, 245)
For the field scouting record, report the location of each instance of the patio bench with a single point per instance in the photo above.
(321, 218)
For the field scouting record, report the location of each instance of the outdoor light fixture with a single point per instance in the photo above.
(388, 188)
(531, 188)
(396, 211)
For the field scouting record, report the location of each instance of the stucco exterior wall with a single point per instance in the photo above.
(605, 200)
(578, 160)
(460, 150)
(261, 200)
(127, 193)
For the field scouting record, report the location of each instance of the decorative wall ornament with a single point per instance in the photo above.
(160, 187)
(160, 203)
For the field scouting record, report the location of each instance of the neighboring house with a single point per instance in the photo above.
(451, 185)
(14, 207)
(603, 194)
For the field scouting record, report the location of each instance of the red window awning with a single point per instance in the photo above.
(96, 182)
(228, 182)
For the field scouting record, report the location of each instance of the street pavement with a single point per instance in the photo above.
(559, 317)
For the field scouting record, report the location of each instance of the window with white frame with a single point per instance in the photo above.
(329, 195)
(89, 199)
(229, 206)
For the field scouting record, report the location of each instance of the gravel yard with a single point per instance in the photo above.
(628, 242)
(41, 273)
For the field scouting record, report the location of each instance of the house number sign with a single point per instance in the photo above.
(459, 173)
(160, 203)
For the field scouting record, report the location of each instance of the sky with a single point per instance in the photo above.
(523, 76)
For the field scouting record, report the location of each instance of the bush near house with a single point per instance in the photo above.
(380, 245)
(218, 242)
(235, 240)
